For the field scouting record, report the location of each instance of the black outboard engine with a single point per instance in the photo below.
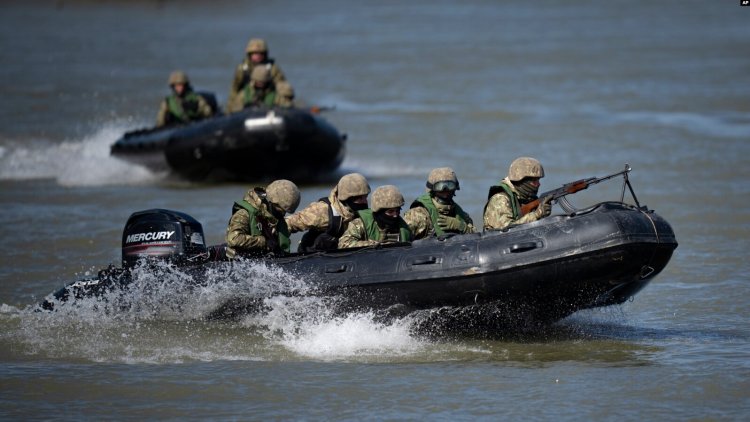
(164, 235)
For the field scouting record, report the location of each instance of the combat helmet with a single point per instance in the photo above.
(285, 89)
(260, 74)
(525, 167)
(442, 178)
(351, 185)
(386, 197)
(178, 77)
(283, 193)
(256, 45)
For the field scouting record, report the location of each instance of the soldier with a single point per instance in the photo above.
(260, 92)
(381, 224)
(183, 105)
(435, 212)
(504, 201)
(257, 225)
(256, 54)
(284, 95)
(328, 218)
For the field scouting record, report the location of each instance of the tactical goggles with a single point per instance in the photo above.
(445, 185)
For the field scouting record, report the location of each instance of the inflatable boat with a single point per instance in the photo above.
(542, 271)
(250, 144)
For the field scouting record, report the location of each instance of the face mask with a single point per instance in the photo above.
(384, 220)
(526, 190)
(355, 206)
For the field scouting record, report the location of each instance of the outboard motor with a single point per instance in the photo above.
(164, 235)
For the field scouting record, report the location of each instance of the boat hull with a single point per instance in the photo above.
(247, 145)
(541, 271)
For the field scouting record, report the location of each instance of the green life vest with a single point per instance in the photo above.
(249, 97)
(184, 109)
(426, 202)
(282, 231)
(373, 231)
(514, 204)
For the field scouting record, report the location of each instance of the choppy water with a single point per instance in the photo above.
(583, 86)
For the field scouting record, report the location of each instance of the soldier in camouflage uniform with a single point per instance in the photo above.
(435, 212)
(328, 218)
(257, 226)
(256, 54)
(260, 92)
(183, 105)
(504, 201)
(381, 224)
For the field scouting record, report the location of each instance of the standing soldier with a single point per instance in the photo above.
(328, 218)
(381, 224)
(504, 201)
(256, 54)
(435, 212)
(183, 105)
(257, 225)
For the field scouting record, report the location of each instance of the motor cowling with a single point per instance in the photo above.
(162, 235)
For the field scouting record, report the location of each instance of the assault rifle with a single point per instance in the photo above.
(573, 187)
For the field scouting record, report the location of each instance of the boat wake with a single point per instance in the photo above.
(84, 162)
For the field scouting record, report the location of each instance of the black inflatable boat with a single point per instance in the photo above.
(250, 144)
(541, 271)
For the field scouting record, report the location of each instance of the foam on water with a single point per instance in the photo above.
(165, 315)
(84, 162)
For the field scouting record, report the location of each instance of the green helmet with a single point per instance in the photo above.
(256, 45)
(525, 167)
(386, 197)
(178, 77)
(283, 193)
(261, 73)
(442, 178)
(351, 185)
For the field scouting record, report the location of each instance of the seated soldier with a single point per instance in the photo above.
(257, 226)
(379, 225)
(183, 105)
(328, 218)
(435, 212)
(504, 201)
(260, 92)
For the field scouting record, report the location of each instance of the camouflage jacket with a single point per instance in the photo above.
(242, 77)
(315, 215)
(356, 234)
(240, 237)
(182, 110)
(420, 221)
(498, 212)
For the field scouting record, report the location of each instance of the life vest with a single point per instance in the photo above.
(282, 231)
(249, 99)
(425, 201)
(315, 240)
(514, 204)
(185, 109)
(373, 230)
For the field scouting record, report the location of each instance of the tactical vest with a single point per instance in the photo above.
(282, 231)
(249, 99)
(183, 110)
(373, 231)
(514, 204)
(425, 201)
(312, 240)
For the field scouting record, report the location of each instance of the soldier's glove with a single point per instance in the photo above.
(451, 224)
(545, 208)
